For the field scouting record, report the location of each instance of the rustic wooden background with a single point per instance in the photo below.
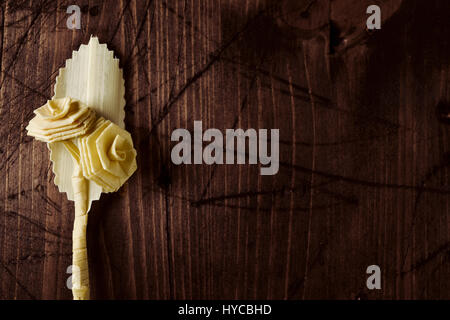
(365, 153)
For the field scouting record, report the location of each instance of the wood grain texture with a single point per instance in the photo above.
(364, 151)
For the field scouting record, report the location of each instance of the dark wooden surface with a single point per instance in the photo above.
(364, 151)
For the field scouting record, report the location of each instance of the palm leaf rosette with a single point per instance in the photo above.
(90, 150)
